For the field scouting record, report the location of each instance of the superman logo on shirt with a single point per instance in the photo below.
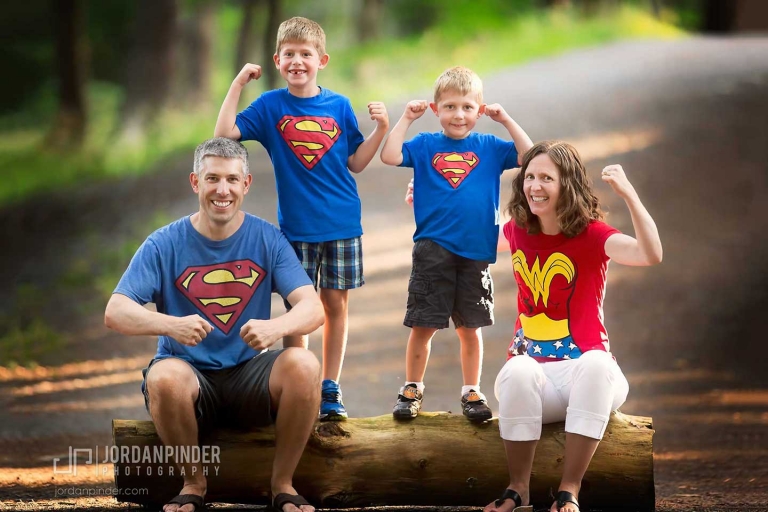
(309, 137)
(222, 291)
(455, 167)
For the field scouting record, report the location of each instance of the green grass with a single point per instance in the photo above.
(386, 70)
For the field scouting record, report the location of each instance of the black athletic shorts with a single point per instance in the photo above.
(444, 285)
(236, 397)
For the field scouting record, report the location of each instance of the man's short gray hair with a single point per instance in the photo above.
(221, 147)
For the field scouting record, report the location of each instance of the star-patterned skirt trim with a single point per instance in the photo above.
(563, 348)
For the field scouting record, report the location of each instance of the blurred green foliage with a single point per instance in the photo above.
(25, 334)
(417, 41)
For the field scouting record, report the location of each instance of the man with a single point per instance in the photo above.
(210, 276)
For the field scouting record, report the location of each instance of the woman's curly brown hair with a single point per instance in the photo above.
(577, 205)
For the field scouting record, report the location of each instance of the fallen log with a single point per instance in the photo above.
(436, 459)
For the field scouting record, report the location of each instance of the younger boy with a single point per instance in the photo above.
(312, 137)
(456, 203)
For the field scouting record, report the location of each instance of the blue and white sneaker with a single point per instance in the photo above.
(331, 408)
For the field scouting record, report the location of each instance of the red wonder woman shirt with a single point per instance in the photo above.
(561, 287)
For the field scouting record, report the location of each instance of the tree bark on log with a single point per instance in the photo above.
(436, 459)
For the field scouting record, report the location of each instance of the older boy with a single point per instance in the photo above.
(456, 185)
(312, 137)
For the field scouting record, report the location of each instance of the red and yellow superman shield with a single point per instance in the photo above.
(309, 137)
(222, 291)
(455, 167)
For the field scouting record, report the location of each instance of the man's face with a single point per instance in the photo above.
(458, 113)
(220, 188)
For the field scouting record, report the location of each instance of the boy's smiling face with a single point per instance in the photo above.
(458, 113)
(298, 63)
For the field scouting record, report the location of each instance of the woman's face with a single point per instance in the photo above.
(541, 186)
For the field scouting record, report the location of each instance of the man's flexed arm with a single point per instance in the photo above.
(225, 124)
(129, 317)
(392, 152)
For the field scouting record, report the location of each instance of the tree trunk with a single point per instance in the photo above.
(149, 71)
(719, 15)
(436, 459)
(198, 54)
(656, 8)
(369, 21)
(245, 39)
(68, 130)
(274, 16)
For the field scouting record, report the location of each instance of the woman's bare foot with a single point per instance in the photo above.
(508, 505)
(290, 507)
(568, 506)
(198, 489)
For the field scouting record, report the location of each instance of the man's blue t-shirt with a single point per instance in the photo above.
(456, 190)
(309, 141)
(227, 282)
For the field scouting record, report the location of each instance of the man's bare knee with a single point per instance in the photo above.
(171, 378)
(299, 367)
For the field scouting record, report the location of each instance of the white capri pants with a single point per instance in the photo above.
(582, 391)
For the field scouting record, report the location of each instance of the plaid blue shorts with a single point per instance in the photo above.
(337, 264)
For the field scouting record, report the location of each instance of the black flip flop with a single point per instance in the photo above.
(184, 499)
(294, 499)
(509, 494)
(564, 497)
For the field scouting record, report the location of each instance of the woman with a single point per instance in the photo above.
(560, 365)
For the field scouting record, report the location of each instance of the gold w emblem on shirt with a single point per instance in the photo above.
(538, 277)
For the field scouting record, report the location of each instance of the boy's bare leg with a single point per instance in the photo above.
(519, 463)
(296, 341)
(335, 331)
(173, 388)
(417, 353)
(578, 454)
(471, 354)
(294, 387)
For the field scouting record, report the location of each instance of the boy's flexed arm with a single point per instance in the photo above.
(522, 141)
(225, 124)
(392, 152)
(365, 151)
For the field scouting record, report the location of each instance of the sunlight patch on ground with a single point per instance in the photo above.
(604, 145)
(707, 455)
(743, 398)
(47, 387)
(396, 365)
(675, 376)
(388, 261)
(44, 476)
(126, 402)
(719, 418)
(73, 369)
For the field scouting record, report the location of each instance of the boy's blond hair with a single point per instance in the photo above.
(302, 30)
(461, 80)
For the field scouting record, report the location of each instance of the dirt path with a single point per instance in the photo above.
(689, 122)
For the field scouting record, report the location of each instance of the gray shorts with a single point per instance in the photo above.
(236, 397)
(445, 285)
